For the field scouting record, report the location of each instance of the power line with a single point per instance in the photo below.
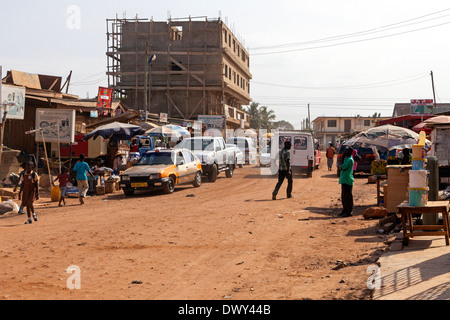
(365, 32)
(88, 77)
(365, 86)
(88, 82)
(351, 42)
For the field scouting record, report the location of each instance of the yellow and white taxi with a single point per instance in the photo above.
(162, 170)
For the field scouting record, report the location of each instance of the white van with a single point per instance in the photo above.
(247, 146)
(303, 156)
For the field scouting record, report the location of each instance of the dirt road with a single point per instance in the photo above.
(229, 241)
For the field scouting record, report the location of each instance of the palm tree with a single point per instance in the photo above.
(267, 118)
(253, 112)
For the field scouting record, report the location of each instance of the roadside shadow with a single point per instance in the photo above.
(357, 210)
(330, 175)
(416, 274)
(439, 292)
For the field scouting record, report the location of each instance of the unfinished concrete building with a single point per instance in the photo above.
(200, 68)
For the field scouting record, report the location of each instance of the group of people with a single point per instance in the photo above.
(28, 185)
(346, 179)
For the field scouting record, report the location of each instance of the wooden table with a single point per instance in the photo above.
(431, 207)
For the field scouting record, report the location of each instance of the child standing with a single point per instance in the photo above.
(29, 191)
(63, 179)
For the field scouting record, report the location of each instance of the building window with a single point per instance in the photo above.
(229, 40)
(226, 71)
(237, 79)
(239, 51)
(367, 123)
(176, 67)
(229, 73)
(226, 35)
(234, 45)
(176, 33)
(332, 123)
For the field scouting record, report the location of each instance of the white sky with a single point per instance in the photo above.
(35, 38)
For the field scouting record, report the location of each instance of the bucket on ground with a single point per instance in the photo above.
(55, 194)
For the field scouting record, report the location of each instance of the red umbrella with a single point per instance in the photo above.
(421, 126)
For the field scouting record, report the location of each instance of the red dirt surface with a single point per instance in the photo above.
(229, 241)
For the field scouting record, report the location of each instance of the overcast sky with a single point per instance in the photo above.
(344, 57)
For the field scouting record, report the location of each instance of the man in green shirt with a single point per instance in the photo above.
(346, 181)
(284, 171)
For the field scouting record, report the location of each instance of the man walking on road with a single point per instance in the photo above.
(330, 156)
(82, 168)
(284, 171)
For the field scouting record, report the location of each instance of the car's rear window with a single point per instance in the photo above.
(300, 143)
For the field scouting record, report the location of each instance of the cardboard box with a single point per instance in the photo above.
(100, 190)
(397, 186)
(110, 186)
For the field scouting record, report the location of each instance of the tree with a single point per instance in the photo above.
(267, 118)
(283, 125)
(253, 112)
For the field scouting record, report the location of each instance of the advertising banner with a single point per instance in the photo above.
(422, 106)
(54, 122)
(104, 98)
(13, 98)
(213, 121)
(163, 117)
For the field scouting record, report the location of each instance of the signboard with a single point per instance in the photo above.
(213, 121)
(94, 114)
(163, 117)
(104, 98)
(14, 99)
(422, 106)
(54, 121)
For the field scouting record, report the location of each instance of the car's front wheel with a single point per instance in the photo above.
(128, 192)
(198, 179)
(212, 176)
(170, 186)
(230, 170)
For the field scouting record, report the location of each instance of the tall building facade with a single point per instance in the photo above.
(184, 68)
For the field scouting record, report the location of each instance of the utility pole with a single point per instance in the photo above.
(309, 119)
(147, 54)
(434, 93)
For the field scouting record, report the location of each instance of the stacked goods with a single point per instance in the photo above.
(379, 167)
(418, 178)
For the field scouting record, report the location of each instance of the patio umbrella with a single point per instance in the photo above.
(168, 130)
(116, 131)
(386, 137)
(421, 126)
(438, 120)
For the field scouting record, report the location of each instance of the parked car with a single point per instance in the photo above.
(162, 169)
(367, 154)
(239, 158)
(213, 154)
(247, 146)
(303, 151)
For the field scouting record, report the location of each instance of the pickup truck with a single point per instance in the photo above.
(213, 153)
